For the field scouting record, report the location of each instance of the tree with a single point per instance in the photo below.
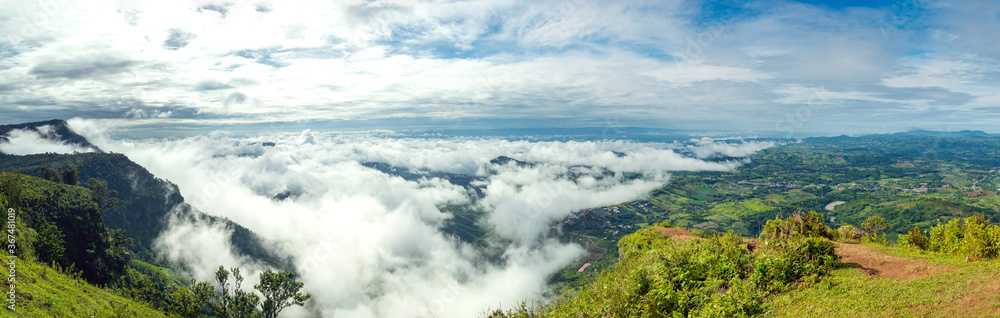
(48, 173)
(280, 291)
(231, 301)
(105, 198)
(50, 244)
(69, 175)
(873, 226)
(117, 255)
(185, 302)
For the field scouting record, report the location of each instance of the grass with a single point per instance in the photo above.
(970, 289)
(46, 292)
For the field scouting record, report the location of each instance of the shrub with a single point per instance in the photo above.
(973, 237)
(850, 232)
(798, 225)
(953, 235)
(936, 238)
(873, 226)
(915, 238)
(975, 243)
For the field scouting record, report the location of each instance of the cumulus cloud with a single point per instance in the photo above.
(708, 147)
(36, 141)
(370, 244)
(142, 113)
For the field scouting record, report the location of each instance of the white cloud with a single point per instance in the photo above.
(707, 147)
(353, 60)
(42, 140)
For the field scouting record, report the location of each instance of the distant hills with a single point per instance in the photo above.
(916, 133)
(963, 133)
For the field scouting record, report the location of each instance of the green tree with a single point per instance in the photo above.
(117, 253)
(50, 244)
(105, 198)
(69, 175)
(48, 173)
(231, 301)
(186, 302)
(873, 226)
(280, 291)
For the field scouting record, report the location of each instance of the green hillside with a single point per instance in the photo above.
(668, 272)
(145, 201)
(61, 250)
(42, 291)
(797, 267)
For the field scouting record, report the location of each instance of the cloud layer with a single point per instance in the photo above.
(35, 141)
(370, 244)
(778, 66)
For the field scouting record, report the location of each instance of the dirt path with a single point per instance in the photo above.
(677, 233)
(865, 258)
(877, 263)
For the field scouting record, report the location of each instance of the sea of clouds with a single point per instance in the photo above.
(370, 244)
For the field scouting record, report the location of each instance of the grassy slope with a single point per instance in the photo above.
(42, 291)
(970, 289)
(45, 292)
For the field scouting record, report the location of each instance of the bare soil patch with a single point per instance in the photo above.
(677, 233)
(877, 263)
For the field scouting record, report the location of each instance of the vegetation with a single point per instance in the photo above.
(907, 180)
(66, 227)
(972, 237)
(722, 276)
(61, 225)
(87, 251)
(965, 289)
(58, 129)
(135, 201)
(44, 291)
(280, 290)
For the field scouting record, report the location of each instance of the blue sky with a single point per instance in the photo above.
(767, 67)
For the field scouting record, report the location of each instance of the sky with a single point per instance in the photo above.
(768, 67)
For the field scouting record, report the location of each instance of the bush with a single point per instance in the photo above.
(973, 237)
(850, 232)
(797, 225)
(915, 238)
(873, 226)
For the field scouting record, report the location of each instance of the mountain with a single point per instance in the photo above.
(55, 130)
(146, 202)
(952, 134)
